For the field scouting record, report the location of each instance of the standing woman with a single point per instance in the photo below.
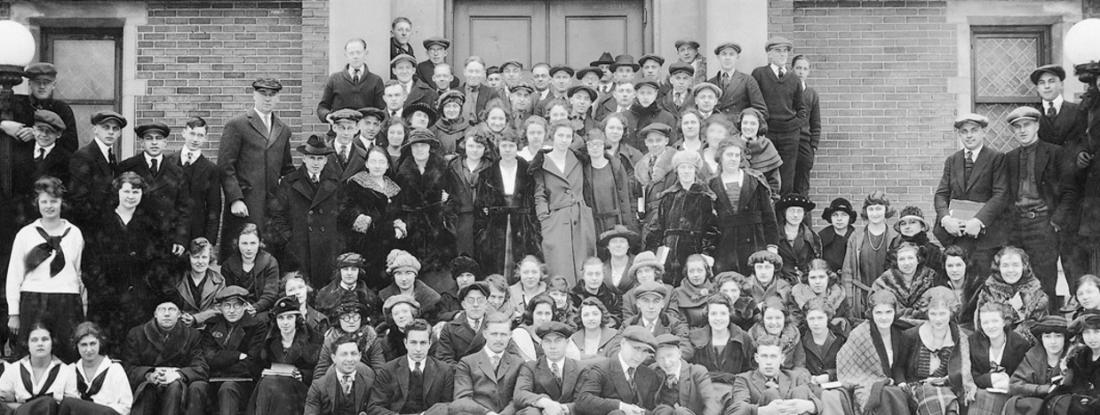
(290, 344)
(43, 281)
(614, 131)
(463, 175)
(394, 133)
(504, 212)
(368, 216)
(607, 187)
(746, 220)
(865, 258)
(871, 362)
(252, 268)
(759, 150)
(1012, 282)
(691, 139)
(421, 173)
(685, 223)
(95, 384)
(452, 126)
(689, 299)
(568, 229)
(798, 243)
(35, 383)
(534, 134)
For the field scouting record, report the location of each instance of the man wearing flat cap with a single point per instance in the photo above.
(352, 87)
(437, 48)
(253, 153)
(561, 78)
(416, 91)
(415, 383)
(42, 80)
(520, 101)
(787, 111)
(92, 169)
(686, 389)
(231, 343)
(347, 158)
(165, 193)
(1038, 198)
(678, 97)
(547, 385)
(971, 195)
(739, 90)
(463, 335)
(302, 228)
(44, 158)
(651, 299)
(621, 384)
(511, 73)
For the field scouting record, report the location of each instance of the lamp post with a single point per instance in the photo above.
(16, 51)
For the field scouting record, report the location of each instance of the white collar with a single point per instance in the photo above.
(412, 364)
(1057, 104)
(975, 151)
(103, 365)
(362, 70)
(264, 116)
(343, 375)
(149, 159)
(774, 69)
(625, 366)
(103, 148)
(560, 363)
(188, 154)
(351, 288)
(47, 149)
(491, 354)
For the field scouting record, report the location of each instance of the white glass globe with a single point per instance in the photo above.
(17, 47)
(1082, 44)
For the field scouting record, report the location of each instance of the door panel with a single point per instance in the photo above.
(498, 31)
(89, 66)
(585, 29)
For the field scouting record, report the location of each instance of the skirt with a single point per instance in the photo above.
(1022, 405)
(58, 311)
(986, 402)
(278, 395)
(81, 407)
(934, 400)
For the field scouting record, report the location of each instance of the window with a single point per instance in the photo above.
(89, 70)
(1002, 58)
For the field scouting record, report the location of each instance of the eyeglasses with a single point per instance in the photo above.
(475, 300)
(233, 305)
(351, 318)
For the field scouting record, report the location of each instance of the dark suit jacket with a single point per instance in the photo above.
(604, 385)
(203, 184)
(426, 69)
(223, 343)
(68, 140)
(357, 159)
(484, 95)
(609, 342)
(666, 324)
(988, 184)
(750, 393)
(341, 91)
(1016, 347)
(742, 92)
(422, 93)
(25, 171)
(605, 107)
(90, 191)
(668, 103)
(165, 195)
(694, 389)
(321, 398)
(1066, 129)
(478, 389)
(1051, 175)
(457, 340)
(536, 381)
(147, 348)
(251, 163)
(392, 386)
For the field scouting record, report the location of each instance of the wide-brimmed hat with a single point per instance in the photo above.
(839, 204)
(463, 264)
(794, 199)
(315, 146)
(421, 107)
(624, 60)
(604, 59)
(421, 136)
(620, 231)
(1088, 319)
(645, 259)
(910, 213)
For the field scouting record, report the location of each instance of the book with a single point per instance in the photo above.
(280, 369)
(964, 209)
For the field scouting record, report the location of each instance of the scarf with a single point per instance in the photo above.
(761, 155)
(387, 188)
(908, 295)
(452, 125)
(88, 391)
(38, 254)
(688, 295)
(859, 362)
(1029, 288)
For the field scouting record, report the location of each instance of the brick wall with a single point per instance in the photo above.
(314, 62)
(200, 58)
(881, 70)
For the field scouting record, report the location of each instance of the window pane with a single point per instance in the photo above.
(83, 115)
(999, 134)
(1003, 64)
(85, 69)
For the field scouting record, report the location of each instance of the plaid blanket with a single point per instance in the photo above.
(859, 364)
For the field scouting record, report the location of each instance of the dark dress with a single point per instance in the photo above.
(821, 359)
(262, 282)
(608, 191)
(462, 187)
(834, 247)
(506, 227)
(746, 227)
(686, 224)
(363, 196)
(281, 395)
(725, 362)
(430, 236)
(798, 253)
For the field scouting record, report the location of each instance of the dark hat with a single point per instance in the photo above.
(560, 68)
(839, 204)
(651, 288)
(515, 63)
(669, 340)
(394, 300)
(728, 45)
(646, 82)
(104, 116)
(778, 41)
(1053, 323)
(49, 118)
(402, 58)
(793, 199)
(1023, 113)
(451, 95)
(315, 146)
(645, 259)
(481, 286)
(38, 69)
(268, 83)
(349, 259)
(624, 60)
(706, 85)
(465, 264)
(492, 70)
(421, 136)
(231, 292)
(523, 86)
(605, 59)
(913, 213)
(1087, 319)
(656, 127)
(372, 112)
(1053, 69)
(651, 57)
(346, 114)
(971, 117)
(680, 43)
(678, 67)
(585, 71)
(640, 335)
(620, 231)
(581, 88)
(151, 127)
(421, 107)
(287, 305)
(349, 304)
(553, 327)
(436, 41)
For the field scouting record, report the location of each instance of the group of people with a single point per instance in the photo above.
(598, 240)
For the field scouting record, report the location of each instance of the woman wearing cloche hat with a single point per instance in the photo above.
(798, 243)
(834, 238)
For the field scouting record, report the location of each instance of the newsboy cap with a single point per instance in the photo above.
(38, 69)
(971, 117)
(104, 116)
(680, 67)
(50, 119)
(268, 83)
(686, 42)
(153, 127)
(651, 57)
(231, 292)
(778, 41)
(706, 85)
(554, 327)
(436, 41)
(727, 45)
(640, 335)
(346, 114)
(1055, 70)
(1022, 113)
(402, 58)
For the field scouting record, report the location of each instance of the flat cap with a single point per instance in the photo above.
(777, 42)
(492, 70)
(652, 288)
(372, 112)
(669, 340)
(268, 83)
(971, 117)
(436, 41)
(231, 292)
(581, 88)
(640, 335)
(646, 82)
(105, 116)
(680, 67)
(153, 127)
(1022, 113)
(727, 45)
(559, 68)
(1056, 70)
(651, 57)
(346, 114)
(706, 85)
(38, 69)
(481, 286)
(553, 327)
(523, 86)
(402, 58)
(656, 127)
(49, 118)
(394, 300)
(686, 42)
(515, 63)
(591, 69)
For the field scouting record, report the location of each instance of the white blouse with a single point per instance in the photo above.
(38, 280)
(115, 392)
(12, 380)
(508, 178)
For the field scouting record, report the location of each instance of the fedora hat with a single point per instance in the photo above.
(315, 146)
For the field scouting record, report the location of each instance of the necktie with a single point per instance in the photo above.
(725, 79)
(630, 379)
(557, 373)
(671, 381)
(41, 155)
(314, 178)
(476, 325)
(678, 99)
(416, 369)
(356, 77)
(343, 155)
(346, 384)
(406, 88)
(968, 164)
(186, 159)
(1051, 112)
(782, 71)
(393, 114)
(111, 157)
(153, 167)
(494, 359)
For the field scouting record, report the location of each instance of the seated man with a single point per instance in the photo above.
(621, 385)
(231, 344)
(463, 336)
(344, 389)
(769, 389)
(652, 300)
(484, 381)
(164, 362)
(415, 383)
(686, 389)
(545, 386)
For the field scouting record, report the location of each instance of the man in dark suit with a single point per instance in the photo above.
(463, 335)
(42, 80)
(621, 384)
(739, 90)
(93, 168)
(1038, 198)
(546, 385)
(353, 87)
(254, 152)
(44, 158)
(786, 112)
(811, 130)
(415, 383)
(769, 388)
(478, 95)
(977, 174)
(345, 388)
(231, 343)
(484, 381)
(416, 91)
(164, 195)
(165, 363)
(678, 97)
(561, 78)
(347, 158)
(202, 182)
(686, 389)
(652, 302)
